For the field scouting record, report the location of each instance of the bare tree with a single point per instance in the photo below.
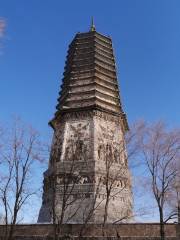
(19, 155)
(177, 189)
(115, 181)
(160, 151)
(176, 200)
(62, 182)
(88, 215)
(1, 219)
(117, 177)
(114, 177)
(174, 196)
(67, 200)
(68, 175)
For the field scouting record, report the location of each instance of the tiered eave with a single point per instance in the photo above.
(90, 79)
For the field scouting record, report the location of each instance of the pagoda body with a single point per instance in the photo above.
(89, 128)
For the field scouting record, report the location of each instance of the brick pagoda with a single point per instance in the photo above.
(88, 148)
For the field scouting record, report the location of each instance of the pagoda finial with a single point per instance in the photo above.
(92, 25)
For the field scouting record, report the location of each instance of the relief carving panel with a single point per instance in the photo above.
(76, 144)
(109, 141)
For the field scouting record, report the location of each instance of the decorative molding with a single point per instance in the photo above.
(90, 114)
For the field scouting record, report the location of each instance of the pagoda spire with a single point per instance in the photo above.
(92, 25)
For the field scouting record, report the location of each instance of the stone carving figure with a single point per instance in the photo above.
(84, 180)
(116, 155)
(101, 151)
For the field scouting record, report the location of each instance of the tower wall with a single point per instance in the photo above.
(83, 143)
(112, 167)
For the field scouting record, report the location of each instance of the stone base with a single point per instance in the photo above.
(71, 231)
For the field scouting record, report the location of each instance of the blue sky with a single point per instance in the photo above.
(146, 38)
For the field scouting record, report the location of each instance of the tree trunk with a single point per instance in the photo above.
(106, 212)
(162, 230)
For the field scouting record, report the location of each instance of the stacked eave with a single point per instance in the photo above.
(90, 78)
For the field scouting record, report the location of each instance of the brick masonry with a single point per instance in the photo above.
(136, 231)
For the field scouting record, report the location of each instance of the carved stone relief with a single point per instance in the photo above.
(73, 179)
(56, 148)
(76, 144)
(109, 141)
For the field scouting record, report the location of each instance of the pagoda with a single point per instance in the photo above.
(88, 178)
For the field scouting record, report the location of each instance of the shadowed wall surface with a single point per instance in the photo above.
(137, 231)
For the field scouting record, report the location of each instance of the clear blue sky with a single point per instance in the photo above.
(146, 38)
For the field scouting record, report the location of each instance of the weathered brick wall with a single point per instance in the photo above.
(82, 143)
(88, 238)
(111, 232)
